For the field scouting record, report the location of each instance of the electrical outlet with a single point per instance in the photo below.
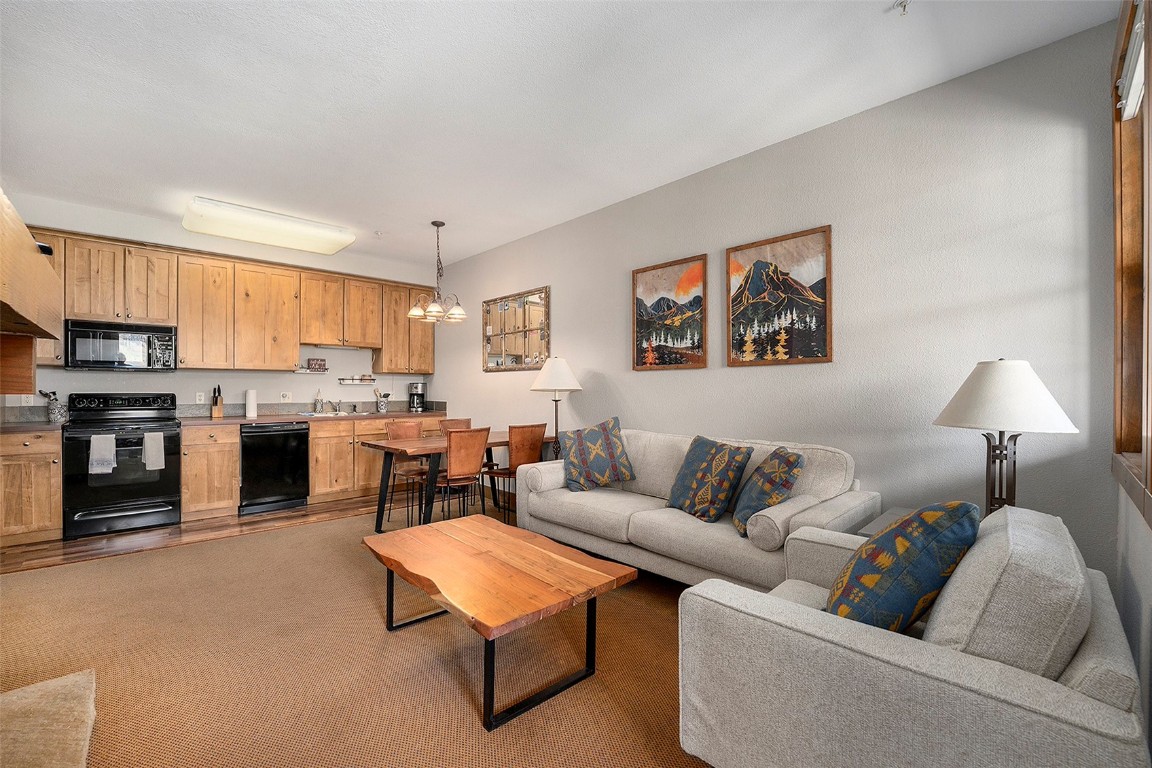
(27, 400)
(200, 398)
(285, 397)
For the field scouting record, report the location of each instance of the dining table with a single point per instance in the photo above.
(432, 448)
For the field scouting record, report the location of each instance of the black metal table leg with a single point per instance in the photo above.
(429, 498)
(491, 480)
(389, 612)
(382, 502)
(493, 720)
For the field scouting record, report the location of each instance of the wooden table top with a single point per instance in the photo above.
(495, 577)
(425, 446)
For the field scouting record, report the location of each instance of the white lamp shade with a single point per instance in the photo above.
(213, 217)
(556, 376)
(1004, 396)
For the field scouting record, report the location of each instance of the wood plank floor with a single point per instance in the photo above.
(24, 557)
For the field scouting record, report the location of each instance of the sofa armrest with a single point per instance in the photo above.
(846, 512)
(817, 689)
(818, 556)
(535, 478)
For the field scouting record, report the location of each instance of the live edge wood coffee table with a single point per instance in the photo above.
(497, 578)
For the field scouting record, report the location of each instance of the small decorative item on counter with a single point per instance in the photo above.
(318, 364)
(318, 402)
(217, 403)
(382, 401)
(57, 411)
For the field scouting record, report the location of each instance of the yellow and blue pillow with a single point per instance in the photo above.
(895, 576)
(707, 480)
(770, 484)
(595, 456)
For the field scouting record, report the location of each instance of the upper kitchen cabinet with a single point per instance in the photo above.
(363, 318)
(321, 309)
(337, 311)
(204, 334)
(118, 284)
(267, 325)
(408, 345)
(50, 351)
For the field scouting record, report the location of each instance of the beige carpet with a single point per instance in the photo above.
(270, 650)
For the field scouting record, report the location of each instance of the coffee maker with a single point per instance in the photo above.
(416, 397)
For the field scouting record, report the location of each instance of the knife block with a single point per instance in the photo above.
(218, 408)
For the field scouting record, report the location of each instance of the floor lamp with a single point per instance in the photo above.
(556, 377)
(1003, 396)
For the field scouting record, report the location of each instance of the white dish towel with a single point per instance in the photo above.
(102, 454)
(153, 450)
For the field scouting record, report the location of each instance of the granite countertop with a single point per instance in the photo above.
(18, 427)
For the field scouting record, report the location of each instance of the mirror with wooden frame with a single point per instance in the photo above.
(515, 331)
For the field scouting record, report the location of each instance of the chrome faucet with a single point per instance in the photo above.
(335, 406)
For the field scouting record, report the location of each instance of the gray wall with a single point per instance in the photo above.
(970, 221)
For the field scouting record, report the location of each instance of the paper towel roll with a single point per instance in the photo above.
(250, 404)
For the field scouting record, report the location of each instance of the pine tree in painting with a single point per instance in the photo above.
(650, 355)
(749, 350)
(781, 350)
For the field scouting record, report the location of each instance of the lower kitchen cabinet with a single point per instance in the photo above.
(369, 460)
(331, 453)
(210, 472)
(30, 481)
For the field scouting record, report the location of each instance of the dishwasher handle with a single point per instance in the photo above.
(277, 428)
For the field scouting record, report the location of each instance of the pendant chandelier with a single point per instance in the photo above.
(430, 309)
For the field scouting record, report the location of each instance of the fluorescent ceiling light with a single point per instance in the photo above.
(213, 217)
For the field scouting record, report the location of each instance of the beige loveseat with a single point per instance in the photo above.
(1021, 662)
(632, 524)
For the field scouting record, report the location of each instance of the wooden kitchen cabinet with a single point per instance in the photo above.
(340, 311)
(204, 337)
(408, 346)
(331, 453)
(267, 324)
(30, 484)
(50, 351)
(321, 309)
(369, 460)
(209, 472)
(118, 284)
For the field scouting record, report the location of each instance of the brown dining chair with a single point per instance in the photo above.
(464, 460)
(525, 443)
(464, 423)
(411, 471)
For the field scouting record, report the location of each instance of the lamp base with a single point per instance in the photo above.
(556, 429)
(1000, 477)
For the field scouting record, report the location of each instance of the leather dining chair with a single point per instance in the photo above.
(412, 471)
(447, 424)
(525, 443)
(464, 460)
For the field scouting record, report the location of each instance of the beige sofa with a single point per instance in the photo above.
(1021, 662)
(632, 524)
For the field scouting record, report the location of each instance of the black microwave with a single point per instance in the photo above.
(91, 346)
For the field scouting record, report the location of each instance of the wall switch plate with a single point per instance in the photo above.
(200, 398)
(27, 400)
(285, 397)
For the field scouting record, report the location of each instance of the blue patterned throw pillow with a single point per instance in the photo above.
(895, 576)
(770, 484)
(708, 478)
(595, 456)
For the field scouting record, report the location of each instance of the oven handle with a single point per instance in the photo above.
(73, 433)
(121, 512)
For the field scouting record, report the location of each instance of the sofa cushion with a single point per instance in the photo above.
(595, 456)
(1020, 596)
(895, 576)
(708, 477)
(801, 593)
(656, 458)
(715, 547)
(769, 484)
(602, 512)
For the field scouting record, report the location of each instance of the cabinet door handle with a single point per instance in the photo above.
(181, 360)
(26, 443)
(117, 314)
(185, 453)
(351, 442)
(129, 314)
(211, 436)
(55, 461)
(59, 357)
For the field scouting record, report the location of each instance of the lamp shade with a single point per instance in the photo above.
(214, 217)
(556, 376)
(1004, 396)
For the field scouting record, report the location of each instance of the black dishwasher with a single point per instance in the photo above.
(273, 466)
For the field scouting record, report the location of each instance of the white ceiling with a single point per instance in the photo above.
(503, 119)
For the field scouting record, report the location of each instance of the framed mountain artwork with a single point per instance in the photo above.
(669, 315)
(780, 300)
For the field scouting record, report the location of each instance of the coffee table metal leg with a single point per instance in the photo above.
(391, 625)
(492, 720)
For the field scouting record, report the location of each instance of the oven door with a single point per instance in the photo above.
(131, 496)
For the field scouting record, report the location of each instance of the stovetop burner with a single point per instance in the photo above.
(86, 407)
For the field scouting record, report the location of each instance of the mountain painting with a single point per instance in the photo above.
(780, 300)
(669, 315)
